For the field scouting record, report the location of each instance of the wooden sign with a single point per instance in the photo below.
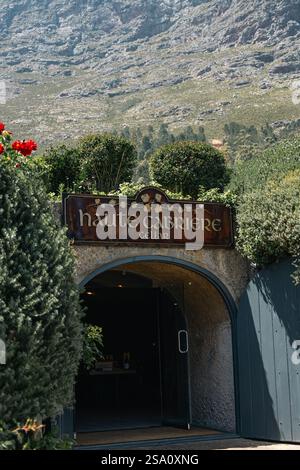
(98, 219)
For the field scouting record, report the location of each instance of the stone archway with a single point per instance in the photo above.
(225, 264)
(211, 310)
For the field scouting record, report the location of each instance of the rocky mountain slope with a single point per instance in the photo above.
(81, 65)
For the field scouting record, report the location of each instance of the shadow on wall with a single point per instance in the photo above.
(279, 290)
(268, 324)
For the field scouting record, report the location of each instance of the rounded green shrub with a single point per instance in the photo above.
(186, 166)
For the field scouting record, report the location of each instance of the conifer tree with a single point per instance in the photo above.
(40, 314)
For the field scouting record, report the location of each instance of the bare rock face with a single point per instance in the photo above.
(124, 47)
(47, 33)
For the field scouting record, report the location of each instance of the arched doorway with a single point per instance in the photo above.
(182, 297)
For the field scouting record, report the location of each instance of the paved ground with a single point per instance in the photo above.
(228, 444)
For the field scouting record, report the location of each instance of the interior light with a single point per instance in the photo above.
(89, 292)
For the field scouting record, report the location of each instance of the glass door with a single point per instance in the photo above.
(174, 354)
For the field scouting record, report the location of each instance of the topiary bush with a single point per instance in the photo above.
(40, 313)
(185, 166)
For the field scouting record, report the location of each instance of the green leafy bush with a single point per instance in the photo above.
(92, 345)
(183, 167)
(40, 314)
(32, 436)
(272, 163)
(269, 222)
(107, 161)
(216, 195)
(131, 190)
(7, 438)
(62, 166)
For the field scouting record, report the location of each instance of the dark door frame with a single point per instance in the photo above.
(214, 280)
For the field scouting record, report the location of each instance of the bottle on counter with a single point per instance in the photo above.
(126, 361)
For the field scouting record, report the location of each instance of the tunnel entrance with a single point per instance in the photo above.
(142, 379)
(167, 351)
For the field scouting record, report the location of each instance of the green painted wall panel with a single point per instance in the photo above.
(269, 381)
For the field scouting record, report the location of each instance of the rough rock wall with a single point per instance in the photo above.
(211, 358)
(80, 66)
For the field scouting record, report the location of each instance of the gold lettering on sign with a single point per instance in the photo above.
(217, 225)
(156, 218)
(85, 220)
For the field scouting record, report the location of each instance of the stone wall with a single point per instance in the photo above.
(211, 357)
(226, 264)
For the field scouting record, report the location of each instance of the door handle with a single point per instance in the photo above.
(183, 347)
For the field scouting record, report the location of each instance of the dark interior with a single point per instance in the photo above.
(126, 307)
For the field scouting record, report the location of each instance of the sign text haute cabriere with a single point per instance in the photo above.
(149, 218)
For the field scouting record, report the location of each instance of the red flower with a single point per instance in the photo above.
(25, 147)
(17, 145)
(2, 127)
(18, 165)
(1, 149)
(31, 145)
